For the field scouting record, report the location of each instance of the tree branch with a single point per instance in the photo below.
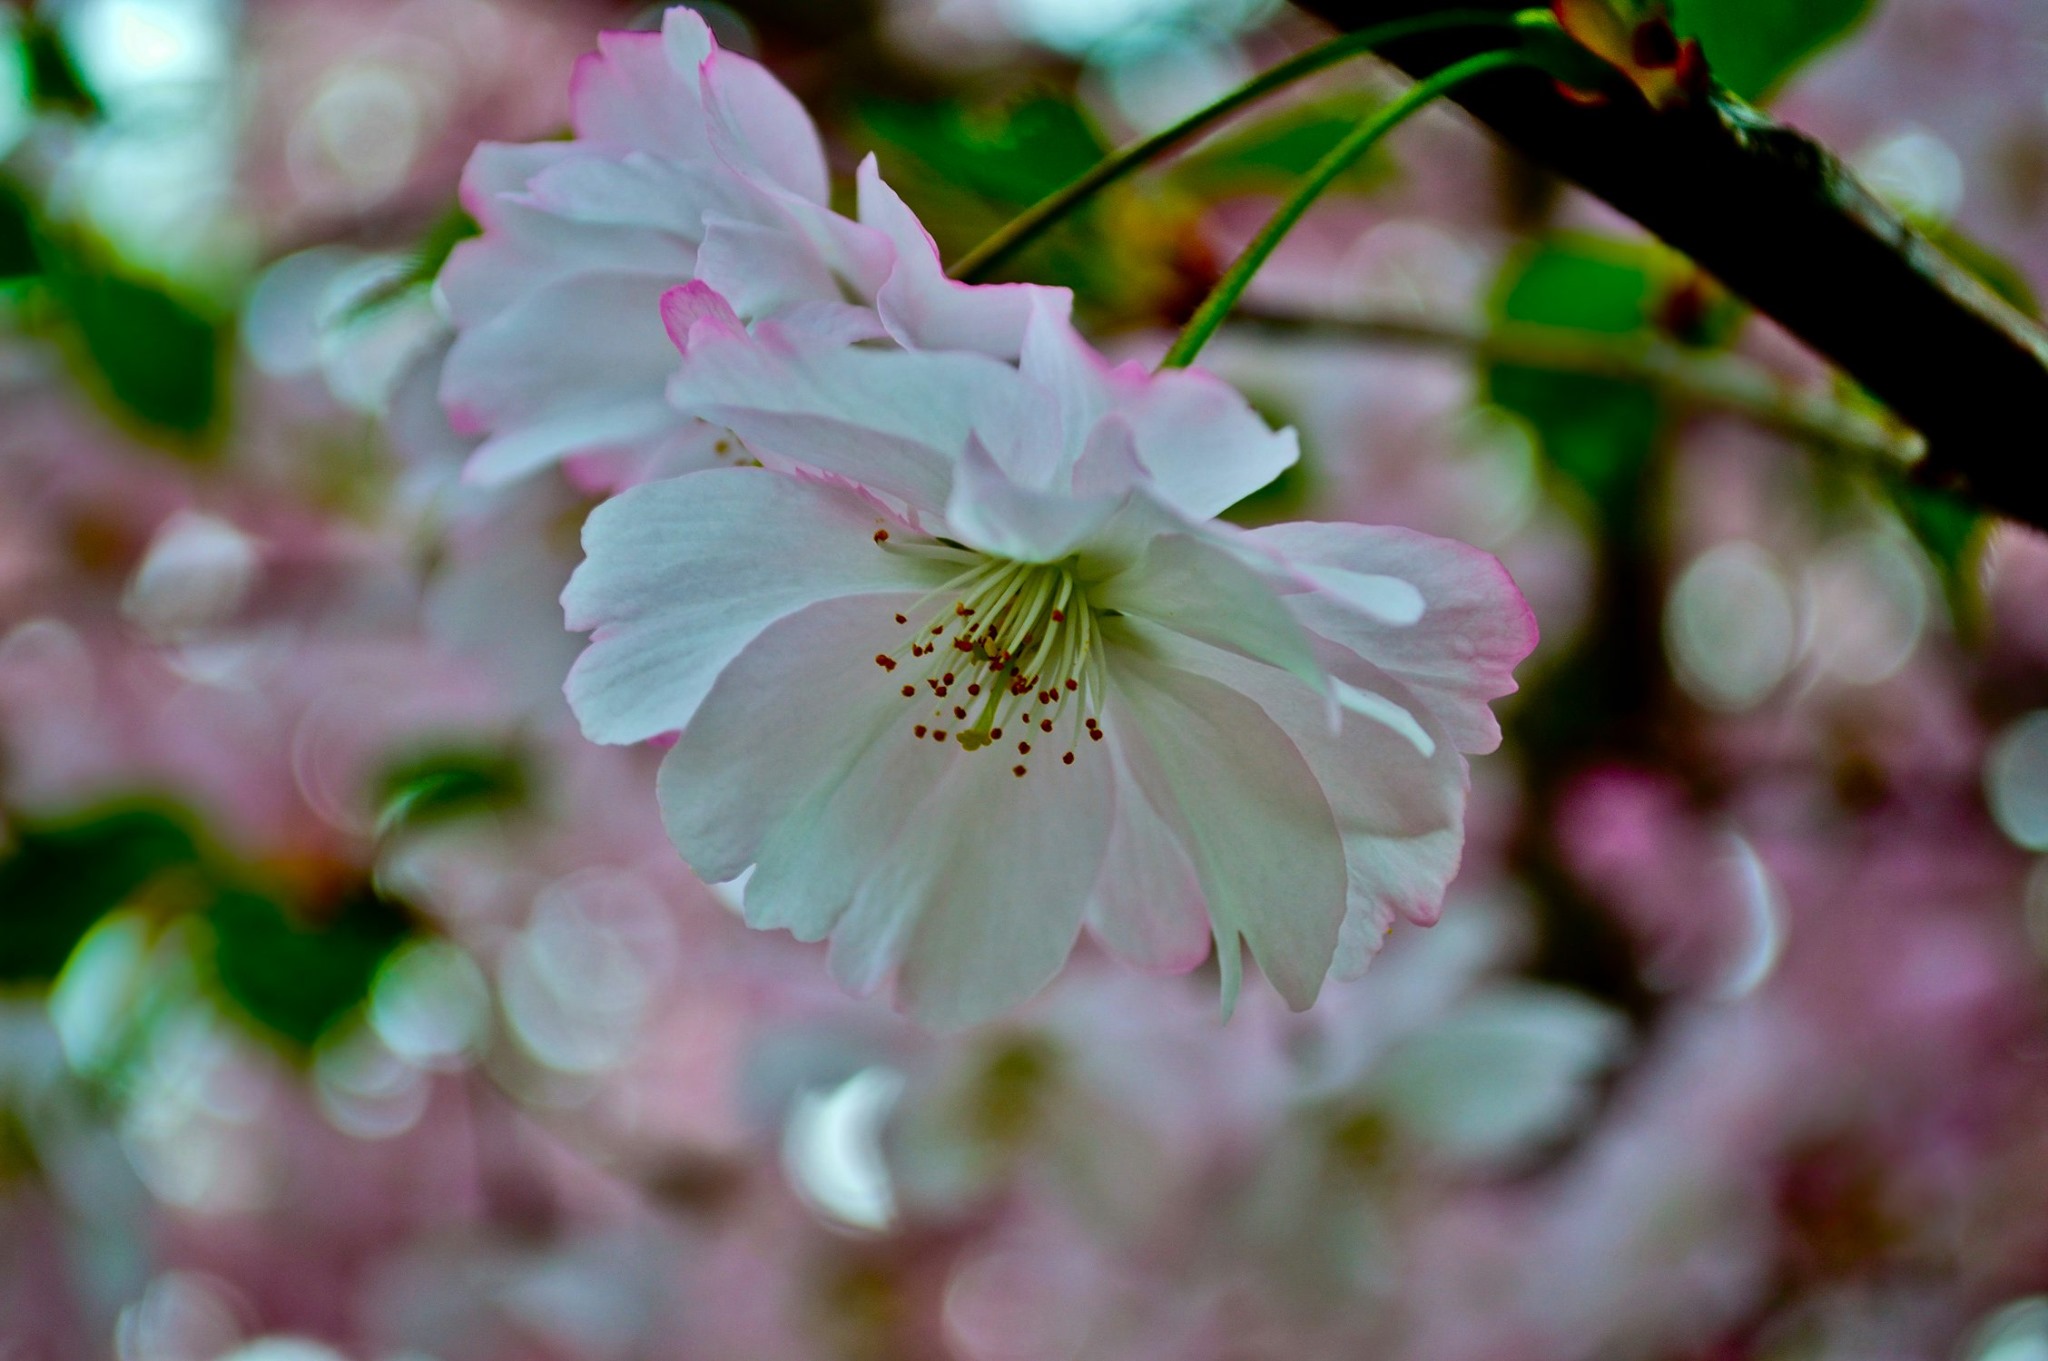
(1783, 224)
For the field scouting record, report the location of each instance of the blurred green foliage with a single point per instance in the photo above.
(442, 786)
(1597, 431)
(17, 235)
(1947, 526)
(59, 878)
(1010, 155)
(1009, 1095)
(1267, 155)
(154, 354)
(291, 967)
(157, 356)
(55, 84)
(1753, 45)
(968, 168)
(1600, 436)
(296, 974)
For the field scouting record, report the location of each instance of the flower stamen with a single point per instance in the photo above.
(1021, 634)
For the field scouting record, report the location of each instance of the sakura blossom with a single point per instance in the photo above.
(973, 665)
(688, 162)
(356, 1003)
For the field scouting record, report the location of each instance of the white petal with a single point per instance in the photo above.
(833, 323)
(492, 192)
(1460, 653)
(583, 341)
(801, 763)
(690, 446)
(633, 94)
(1202, 590)
(1387, 713)
(1246, 805)
(687, 306)
(1399, 802)
(762, 268)
(621, 425)
(680, 575)
(859, 256)
(686, 39)
(638, 190)
(981, 898)
(921, 860)
(1109, 464)
(525, 247)
(813, 860)
(760, 127)
(499, 168)
(1367, 924)
(990, 512)
(926, 310)
(542, 399)
(890, 420)
(1389, 600)
(1148, 909)
(1077, 381)
(1205, 446)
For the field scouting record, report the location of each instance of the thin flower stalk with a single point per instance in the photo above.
(1209, 317)
(1048, 212)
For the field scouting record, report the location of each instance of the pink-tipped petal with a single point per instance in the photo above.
(1441, 617)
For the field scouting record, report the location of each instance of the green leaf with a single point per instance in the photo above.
(155, 355)
(1598, 432)
(1752, 45)
(17, 235)
(58, 879)
(442, 786)
(296, 977)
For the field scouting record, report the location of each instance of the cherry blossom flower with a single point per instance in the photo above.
(688, 162)
(970, 663)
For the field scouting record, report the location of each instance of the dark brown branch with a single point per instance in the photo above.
(1783, 224)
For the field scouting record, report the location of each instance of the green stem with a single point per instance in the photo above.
(1209, 316)
(1047, 212)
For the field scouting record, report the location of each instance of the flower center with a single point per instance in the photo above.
(1012, 653)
